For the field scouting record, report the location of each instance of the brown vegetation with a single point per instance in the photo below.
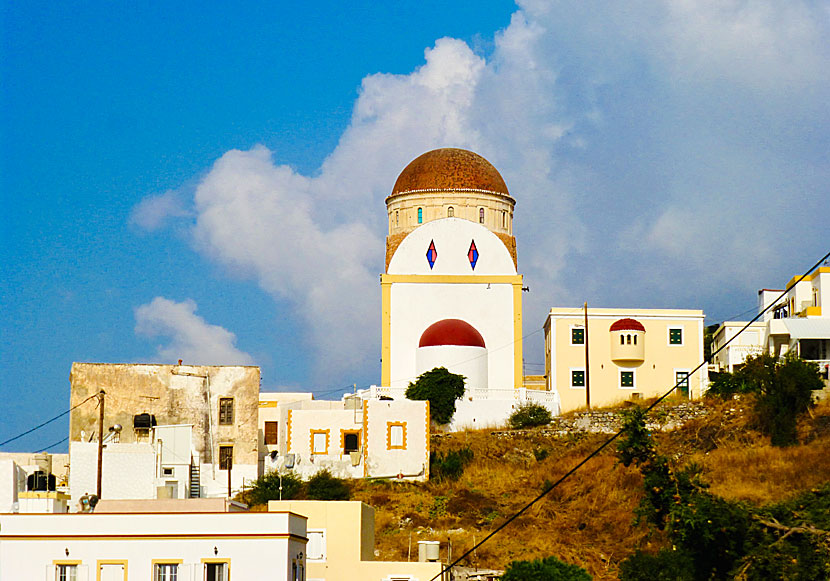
(588, 520)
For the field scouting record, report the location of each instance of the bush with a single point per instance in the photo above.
(324, 486)
(449, 466)
(267, 487)
(666, 565)
(547, 569)
(529, 415)
(440, 388)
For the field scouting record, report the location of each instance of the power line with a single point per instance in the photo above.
(619, 432)
(55, 444)
(47, 422)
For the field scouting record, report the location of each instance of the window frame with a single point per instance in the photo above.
(688, 383)
(66, 566)
(574, 370)
(670, 341)
(633, 373)
(344, 433)
(450, 212)
(578, 329)
(223, 457)
(158, 564)
(311, 434)
(389, 444)
(226, 411)
(227, 567)
(481, 215)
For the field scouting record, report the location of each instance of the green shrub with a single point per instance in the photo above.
(666, 565)
(324, 486)
(529, 415)
(547, 569)
(267, 487)
(449, 466)
(440, 388)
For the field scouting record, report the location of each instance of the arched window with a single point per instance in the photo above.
(504, 219)
(635, 339)
(450, 212)
(420, 215)
(628, 339)
(396, 217)
(481, 215)
(622, 339)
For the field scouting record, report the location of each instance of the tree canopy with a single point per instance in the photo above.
(441, 389)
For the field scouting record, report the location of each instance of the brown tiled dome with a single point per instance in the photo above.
(450, 169)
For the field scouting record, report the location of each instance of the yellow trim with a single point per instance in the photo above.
(311, 434)
(269, 404)
(343, 439)
(452, 278)
(389, 445)
(67, 562)
(386, 332)
(365, 437)
(109, 562)
(811, 276)
(518, 372)
(812, 312)
(288, 432)
(166, 562)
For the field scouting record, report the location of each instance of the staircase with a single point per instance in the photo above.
(195, 480)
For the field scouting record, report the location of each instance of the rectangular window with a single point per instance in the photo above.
(675, 336)
(396, 435)
(319, 441)
(225, 457)
(225, 411)
(271, 433)
(577, 378)
(66, 572)
(577, 336)
(165, 572)
(216, 572)
(316, 547)
(350, 441)
(681, 378)
(626, 379)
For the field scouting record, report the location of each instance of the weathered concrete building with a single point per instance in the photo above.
(169, 430)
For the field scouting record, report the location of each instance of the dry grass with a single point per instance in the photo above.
(588, 520)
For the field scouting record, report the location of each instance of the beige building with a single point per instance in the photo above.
(171, 431)
(633, 354)
(341, 539)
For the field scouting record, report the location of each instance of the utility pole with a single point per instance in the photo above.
(587, 373)
(100, 438)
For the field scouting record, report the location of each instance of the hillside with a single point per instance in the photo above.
(588, 520)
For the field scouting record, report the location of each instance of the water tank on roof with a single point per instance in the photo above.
(429, 551)
(40, 481)
(144, 421)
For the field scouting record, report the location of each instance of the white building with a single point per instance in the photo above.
(152, 546)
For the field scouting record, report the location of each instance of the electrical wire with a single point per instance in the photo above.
(619, 433)
(47, 422)
(55, 444)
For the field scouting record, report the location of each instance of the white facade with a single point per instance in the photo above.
(127, 547)
(353, 439)
(748, 343)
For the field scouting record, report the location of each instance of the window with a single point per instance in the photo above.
(481, 215)
(504, 219)
(450, 212)
(165, 572)
(66, 572)
(319, 441)
(622, 339)
(577, 378)
(271, 433)
(396, 435)
(577, 336)
(420, 215)
(635, 339)
(681, 378)
(396, 217)
(167, 471)
(350, 441)
(225, 457)
(675, 336)
(627, 379)
(216, 571)
(628, 339)
(225, 411)
(316, 547)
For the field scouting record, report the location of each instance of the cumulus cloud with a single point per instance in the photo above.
(191, 337)
(661, 154)
(153, 212)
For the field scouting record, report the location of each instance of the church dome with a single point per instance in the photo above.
(451, 332)
(627, 325)
(449, 169)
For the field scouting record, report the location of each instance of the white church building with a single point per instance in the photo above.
(451, 293)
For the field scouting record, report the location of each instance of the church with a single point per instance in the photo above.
(451, 295)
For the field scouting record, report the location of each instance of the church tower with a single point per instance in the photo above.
(451, 294)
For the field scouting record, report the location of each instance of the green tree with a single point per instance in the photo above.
(529, 415)
(441, 389)
(324, 486)
(267, 487)
(547, 569)
(784, 392)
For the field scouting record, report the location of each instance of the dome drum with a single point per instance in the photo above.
(628, 339)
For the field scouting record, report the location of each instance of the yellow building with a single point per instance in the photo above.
(341, 544)
(632, 354)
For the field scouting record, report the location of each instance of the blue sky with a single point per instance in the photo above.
(204, 182)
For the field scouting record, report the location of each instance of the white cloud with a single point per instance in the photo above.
(192, 339)
(661, 154)
(153, 212)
